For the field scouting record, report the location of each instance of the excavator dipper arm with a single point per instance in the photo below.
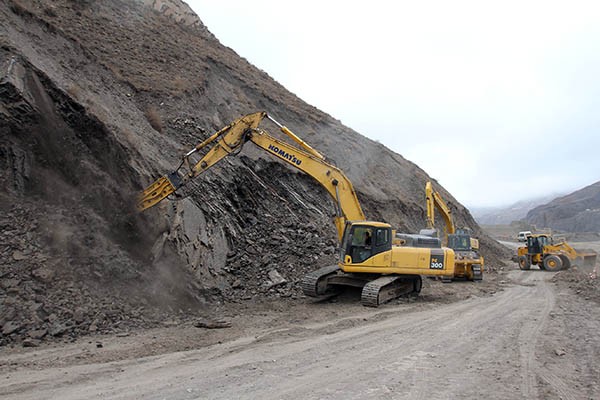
(228, 140)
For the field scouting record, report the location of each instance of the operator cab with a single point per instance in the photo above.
(459, 242)
(364, 240)
(535, 244)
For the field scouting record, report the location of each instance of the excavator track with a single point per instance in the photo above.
(389, 287)
(477, 272)
(314, 284)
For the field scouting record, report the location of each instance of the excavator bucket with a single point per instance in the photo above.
(160, 189)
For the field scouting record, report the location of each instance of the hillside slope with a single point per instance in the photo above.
(99, 98)
(575, 212)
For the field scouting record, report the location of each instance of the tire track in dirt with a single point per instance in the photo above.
(529, 334)
(460, 350)
(561, 388)
(529, 338)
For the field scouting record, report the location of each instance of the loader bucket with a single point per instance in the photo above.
(589, 260)
(585, 259)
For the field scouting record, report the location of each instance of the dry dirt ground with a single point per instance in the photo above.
(531, 336)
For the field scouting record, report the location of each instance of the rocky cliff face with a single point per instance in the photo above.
(178, 10)
(99, 98)
(575, 212)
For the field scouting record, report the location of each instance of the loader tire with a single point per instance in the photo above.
(524, 263)
(552, 263)
(565, 262)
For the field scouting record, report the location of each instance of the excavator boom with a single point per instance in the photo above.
(230, 140)
(435, 201)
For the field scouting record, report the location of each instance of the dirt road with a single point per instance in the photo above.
(530, 340)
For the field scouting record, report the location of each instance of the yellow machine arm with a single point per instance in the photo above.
(562, 247)
(230, 140)
(434, 199)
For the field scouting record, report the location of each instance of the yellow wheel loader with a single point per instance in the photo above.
(372, 256)
(550, 255)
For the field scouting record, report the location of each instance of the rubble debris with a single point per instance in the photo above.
(275, 278)
(212, 324)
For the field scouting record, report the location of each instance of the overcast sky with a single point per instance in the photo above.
(497, 100)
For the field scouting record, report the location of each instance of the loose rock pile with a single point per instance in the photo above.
(584, 283)
(49, 294)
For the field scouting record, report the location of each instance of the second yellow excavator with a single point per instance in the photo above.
(372, 255)
(468, 263)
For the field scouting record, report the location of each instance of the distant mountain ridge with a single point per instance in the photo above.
(506, 215)
(575, 212)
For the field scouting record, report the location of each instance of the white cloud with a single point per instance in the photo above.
(473, 92)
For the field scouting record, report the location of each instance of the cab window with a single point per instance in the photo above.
(361, 236)
(366, 241)
(382, 237)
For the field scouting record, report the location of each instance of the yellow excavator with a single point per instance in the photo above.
(552, 255)
(468, 263)
(385, 264)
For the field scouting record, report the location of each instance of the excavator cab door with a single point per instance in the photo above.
(361, 242)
